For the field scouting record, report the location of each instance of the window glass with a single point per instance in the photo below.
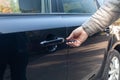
(47, 6)
(9, 6)
(30, 6)
(79, 6)
(20, 6)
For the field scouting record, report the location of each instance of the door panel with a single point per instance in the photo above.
(46, 63)
(85, 61)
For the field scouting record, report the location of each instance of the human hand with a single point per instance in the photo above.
(77, 37)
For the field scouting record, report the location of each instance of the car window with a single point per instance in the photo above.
(9, 6)
(79, 6)
(30, 6)
(47, 6)
(21, 6)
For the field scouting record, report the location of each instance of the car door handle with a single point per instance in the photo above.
(56, 41)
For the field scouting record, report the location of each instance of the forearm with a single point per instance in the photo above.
(104, 16)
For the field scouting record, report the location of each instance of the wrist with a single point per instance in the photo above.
(87, 30)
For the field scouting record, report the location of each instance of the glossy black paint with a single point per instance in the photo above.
(57, 62)
(45, 62)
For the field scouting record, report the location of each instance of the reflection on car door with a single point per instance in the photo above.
(86, 61)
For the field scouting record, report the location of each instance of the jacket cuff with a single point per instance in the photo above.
(88, 30)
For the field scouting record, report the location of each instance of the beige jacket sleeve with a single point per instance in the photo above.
(103, 17)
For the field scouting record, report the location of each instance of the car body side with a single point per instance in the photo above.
(59, 62)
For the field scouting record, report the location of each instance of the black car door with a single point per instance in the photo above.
(45, 35)
(45, 39)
